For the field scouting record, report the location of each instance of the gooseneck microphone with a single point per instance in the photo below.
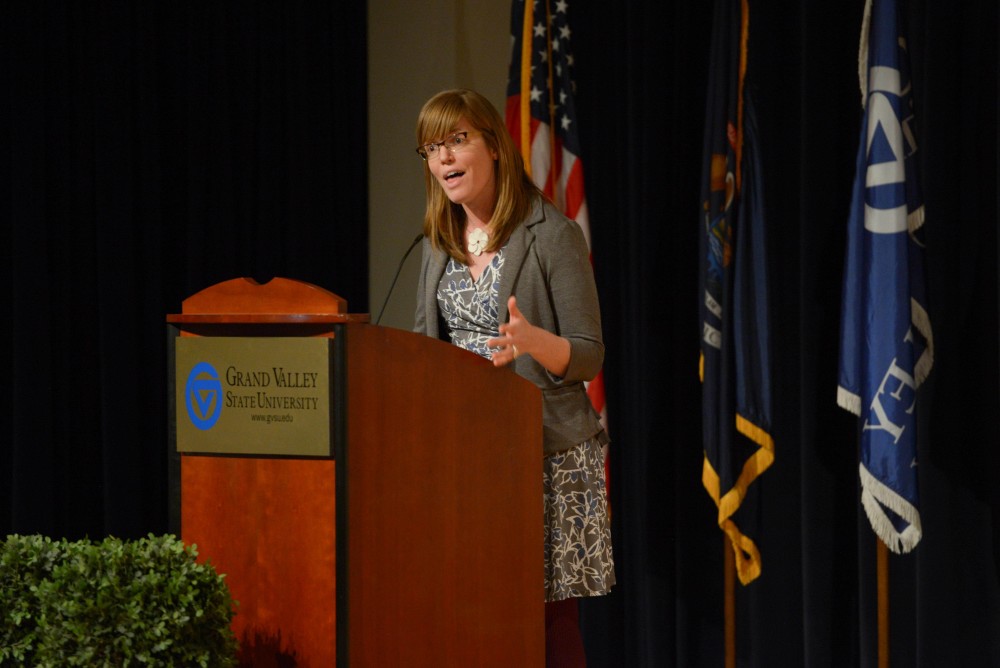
(396, 277)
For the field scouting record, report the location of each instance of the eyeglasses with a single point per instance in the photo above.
(452, 142)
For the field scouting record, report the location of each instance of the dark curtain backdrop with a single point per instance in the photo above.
(641, 79)
(157, 149)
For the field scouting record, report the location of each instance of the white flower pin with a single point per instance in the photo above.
(477, 241)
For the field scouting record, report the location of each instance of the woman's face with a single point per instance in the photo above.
(466, 171)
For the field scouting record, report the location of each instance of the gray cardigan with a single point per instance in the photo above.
(547, 267)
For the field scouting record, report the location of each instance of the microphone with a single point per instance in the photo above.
(394, 278)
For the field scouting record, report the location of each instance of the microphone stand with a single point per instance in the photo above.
(396, 277)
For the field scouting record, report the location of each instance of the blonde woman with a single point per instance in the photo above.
(505, 275)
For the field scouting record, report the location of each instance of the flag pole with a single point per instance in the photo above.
(525, 138)
(729, 578)
(882, 565)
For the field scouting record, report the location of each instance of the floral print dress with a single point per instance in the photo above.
(578, 558)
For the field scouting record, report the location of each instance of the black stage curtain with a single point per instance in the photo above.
(641, 75)
(159, 148)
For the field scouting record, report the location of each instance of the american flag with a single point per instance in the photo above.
(541, 116)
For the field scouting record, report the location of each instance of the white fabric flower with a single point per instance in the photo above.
(477, 241)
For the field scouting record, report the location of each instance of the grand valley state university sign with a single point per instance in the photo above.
(256, 396)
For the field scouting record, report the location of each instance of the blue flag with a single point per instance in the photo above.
(886, 340)
(733, 290)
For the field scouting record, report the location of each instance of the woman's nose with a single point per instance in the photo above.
(444, 155)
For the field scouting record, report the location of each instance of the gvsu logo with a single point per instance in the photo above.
(203, 395)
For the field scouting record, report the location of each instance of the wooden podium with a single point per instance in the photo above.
(417, 541)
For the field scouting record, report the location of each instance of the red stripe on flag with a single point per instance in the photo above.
(513, 116)
(595, 390)
(574, 188)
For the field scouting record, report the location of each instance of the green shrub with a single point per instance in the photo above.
(113, 603)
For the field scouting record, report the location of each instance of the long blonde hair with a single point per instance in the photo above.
(444, 221)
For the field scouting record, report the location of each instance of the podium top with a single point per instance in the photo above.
(280, 300)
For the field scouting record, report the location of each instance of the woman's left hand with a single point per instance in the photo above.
(519, 337)
(515, 336)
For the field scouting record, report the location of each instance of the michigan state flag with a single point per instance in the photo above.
(733, 290)
(886, 342)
